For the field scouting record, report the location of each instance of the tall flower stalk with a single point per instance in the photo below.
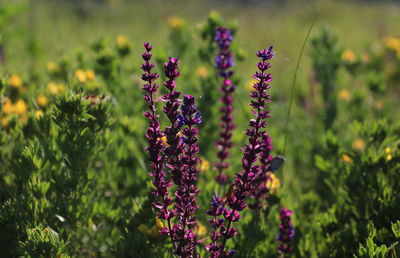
(244, 181)
(186, 193)
(223, 63)
(175, 145)
(156, 146)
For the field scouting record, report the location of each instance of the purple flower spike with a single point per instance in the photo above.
(257, 144)
(185, 201)
(156, 146)
(175, 145)
(223, 63)
(260, 191)
(286, 231)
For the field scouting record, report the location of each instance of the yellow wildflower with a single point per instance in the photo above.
(90, 74)
(201, 72)
(38, 114)
(8, 107)
(175, 22)
(52, 67)
(273, 183)
(204, 164)
(42, 101)
(348, 56)
(153, 232)
(15, 81)
(52, 87)
(249, 85)
(358, 144)
(80, 75)
(20, 107)
(4, 122)
(388, 151)
(346, 159)
(122, 41)
(344, 95)
(159, 224)
(200, 230)
(143, 229)
(392, 43)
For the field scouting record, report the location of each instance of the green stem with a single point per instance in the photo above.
(294, 80)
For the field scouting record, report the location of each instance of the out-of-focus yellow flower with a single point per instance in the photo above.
(201, 72)
(204, 164)
(249, 84)
(143, 229)
(348, 56)
(15, 81)
(90, 74)
(392, 43)
(8, 107)
(52, 67)
(80, 75)
(344, 95)
(365, 58)
(388, 151)
(175, 22)
(159, 224)
(273, 183)
(200, 230)
(20, 107)
(153, 232)
(4, 122)
(39, 114)
(122, 41)
(52, 87)
(346, 159)
(358, 144)
(42, 101)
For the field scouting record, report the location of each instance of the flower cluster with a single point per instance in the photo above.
(174, 146)
(223, 63)
(260, 182)
(154, 135)
(179, 153)
(185, 201)
(286, 231)
(257, 145)
(217, 224)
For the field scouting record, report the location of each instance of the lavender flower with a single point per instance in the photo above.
(156, 147)
(244, 181)
(223, 63)
(286, 231)
(185, 201)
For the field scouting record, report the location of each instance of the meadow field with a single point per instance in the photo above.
(96, 161)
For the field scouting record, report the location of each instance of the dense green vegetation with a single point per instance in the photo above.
(73, 171)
